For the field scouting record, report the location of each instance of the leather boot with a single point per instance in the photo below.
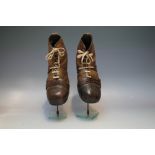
(57, 84)
(89, 84)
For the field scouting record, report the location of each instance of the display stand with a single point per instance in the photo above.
(57, 114)
(89, 115)
(54, 112)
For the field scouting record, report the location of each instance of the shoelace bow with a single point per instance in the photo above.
(86, 59)
(85, 55)
(50, 55)
(60, 52)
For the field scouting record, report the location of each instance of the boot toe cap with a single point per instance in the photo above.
(57, 95)
(90, 93)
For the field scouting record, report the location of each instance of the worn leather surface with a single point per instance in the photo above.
(57, 84)
(89, 84)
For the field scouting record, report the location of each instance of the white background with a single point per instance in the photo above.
(77, 141)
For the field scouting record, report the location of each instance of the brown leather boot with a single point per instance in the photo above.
(89, 85)
(57, 84)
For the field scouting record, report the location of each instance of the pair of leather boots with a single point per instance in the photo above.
(57, 84)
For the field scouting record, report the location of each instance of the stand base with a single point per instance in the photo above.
(59, 114)
(90, 114)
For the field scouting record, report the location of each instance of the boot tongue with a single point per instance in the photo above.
(82, 46)
(90, 48)
(59, 43)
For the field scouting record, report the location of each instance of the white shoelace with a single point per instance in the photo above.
(86, 59)
(49, 56)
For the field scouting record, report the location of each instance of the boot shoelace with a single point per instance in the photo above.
(86, 59)
(55, 54)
